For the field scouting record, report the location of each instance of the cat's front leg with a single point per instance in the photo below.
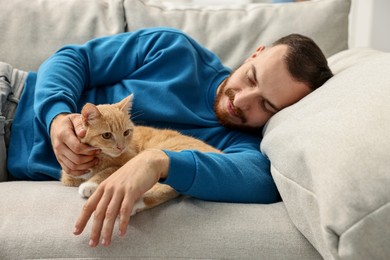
(69, 180)
(86, 189)
(157, 195)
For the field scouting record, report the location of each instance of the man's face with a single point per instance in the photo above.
(257, 90)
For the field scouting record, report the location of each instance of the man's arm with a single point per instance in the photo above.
(61, 82)
(77, 71)
(63, 78)
(240, 174)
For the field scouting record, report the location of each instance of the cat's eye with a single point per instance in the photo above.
(106, 135)
(126, 133)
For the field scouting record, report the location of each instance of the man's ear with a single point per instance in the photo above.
(254, 54)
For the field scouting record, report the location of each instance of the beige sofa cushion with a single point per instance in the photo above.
(37, 220)
(33, 30)
(234, 31)
(330, 158)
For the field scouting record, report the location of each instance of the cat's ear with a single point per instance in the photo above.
(126, 104)
(90, 112)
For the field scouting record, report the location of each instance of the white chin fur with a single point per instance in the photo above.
(113, 154)
(85, 176)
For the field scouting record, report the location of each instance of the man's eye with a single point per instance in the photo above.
(267, 107)
(252, 83)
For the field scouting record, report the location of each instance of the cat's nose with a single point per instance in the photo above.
(120, 147)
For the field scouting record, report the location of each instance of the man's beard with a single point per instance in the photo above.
(223, 116)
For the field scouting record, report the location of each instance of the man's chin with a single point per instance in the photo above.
(224, 120)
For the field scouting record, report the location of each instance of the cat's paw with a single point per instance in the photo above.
(87, 188)
(138, 206)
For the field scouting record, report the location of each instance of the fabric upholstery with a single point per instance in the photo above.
(235, 31)
(330, 159)
(33, 30)
(232, 31)
(37, 219)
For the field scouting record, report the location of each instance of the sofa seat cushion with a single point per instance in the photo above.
(37, 219)
(330, 158)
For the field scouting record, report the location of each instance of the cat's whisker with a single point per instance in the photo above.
(136, 114)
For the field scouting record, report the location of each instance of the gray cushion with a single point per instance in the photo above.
(330, 159)
(33, 30)
(37, 218)
(234, 31)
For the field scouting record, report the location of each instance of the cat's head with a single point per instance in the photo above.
(109, 127)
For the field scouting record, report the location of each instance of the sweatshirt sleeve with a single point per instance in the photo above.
(63, 77)
(240, 174)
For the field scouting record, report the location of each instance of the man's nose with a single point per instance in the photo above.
(245, 99)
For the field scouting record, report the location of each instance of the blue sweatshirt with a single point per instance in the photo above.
(174, 82)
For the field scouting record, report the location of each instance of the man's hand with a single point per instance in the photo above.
(118, 194)
(74, 157)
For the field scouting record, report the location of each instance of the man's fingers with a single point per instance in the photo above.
(78, 125)
(99, 216)
(110, 217)
(86, 213)
(65, 138)
(79, 148)
(124, 214)
(77, 165)
(74, 157)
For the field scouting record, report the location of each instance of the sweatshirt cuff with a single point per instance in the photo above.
(182, 170)
(53, 111)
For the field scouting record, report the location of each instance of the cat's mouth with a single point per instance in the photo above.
(113, 153)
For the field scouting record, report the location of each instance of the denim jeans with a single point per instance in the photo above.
(11, 87)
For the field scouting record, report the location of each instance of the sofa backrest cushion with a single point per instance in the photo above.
(33, 30)
(233, 32)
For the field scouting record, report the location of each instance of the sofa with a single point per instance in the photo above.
(329, 152)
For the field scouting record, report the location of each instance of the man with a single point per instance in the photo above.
(176, 84)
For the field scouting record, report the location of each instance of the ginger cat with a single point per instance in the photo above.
(110, 129)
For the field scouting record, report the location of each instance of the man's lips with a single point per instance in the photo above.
(231, 110)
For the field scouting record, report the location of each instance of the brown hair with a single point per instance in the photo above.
(305, 60)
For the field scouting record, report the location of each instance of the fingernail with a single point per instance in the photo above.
(105, 242)
(121, 233)
(75, 230)
(91, 243)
